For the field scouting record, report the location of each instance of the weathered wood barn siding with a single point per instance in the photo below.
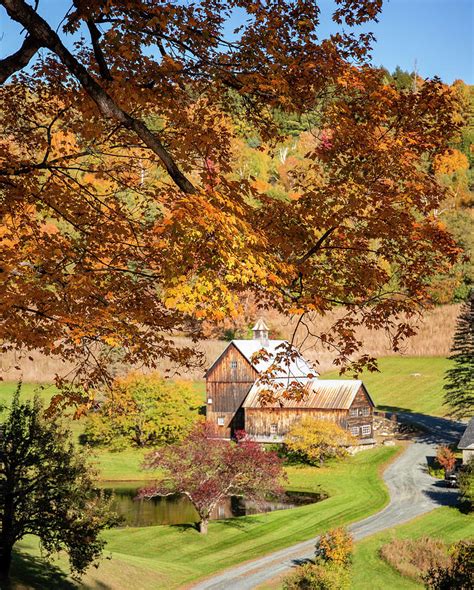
(361, 413)
(228, 382)
(273, 423)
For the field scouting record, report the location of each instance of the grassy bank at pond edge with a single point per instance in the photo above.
(167, 557)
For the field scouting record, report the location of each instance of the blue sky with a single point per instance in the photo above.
(438, 34)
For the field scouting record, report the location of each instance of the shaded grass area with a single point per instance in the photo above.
(447, 524)
(410, 384)
(171, 556)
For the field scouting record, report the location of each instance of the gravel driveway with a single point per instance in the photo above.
(412, 492)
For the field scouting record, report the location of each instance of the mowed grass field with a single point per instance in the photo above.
(167, 557)
(410, 384)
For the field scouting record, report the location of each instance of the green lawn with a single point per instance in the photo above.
(447, 524)
(171, 556)
(412, 384)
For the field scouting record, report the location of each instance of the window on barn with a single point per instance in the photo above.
(364, 412)
(355, 431)
(233, 364)
(353, 412)
(273, 428)
(366, 429)
(209, 400)
(220, 421)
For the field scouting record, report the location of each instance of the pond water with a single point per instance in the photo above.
(179, 510)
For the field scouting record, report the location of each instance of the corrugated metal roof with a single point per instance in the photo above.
(298, 366)
(319, 394)
(467, 439)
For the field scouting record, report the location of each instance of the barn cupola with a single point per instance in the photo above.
(260, 332)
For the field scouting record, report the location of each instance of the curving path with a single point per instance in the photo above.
(412, 492)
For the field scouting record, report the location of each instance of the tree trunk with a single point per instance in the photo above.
(203, 526)
(5, 562)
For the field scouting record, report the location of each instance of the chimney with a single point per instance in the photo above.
(260, 332)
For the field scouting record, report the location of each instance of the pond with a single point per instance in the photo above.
(179, 510)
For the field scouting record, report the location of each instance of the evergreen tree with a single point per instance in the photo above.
(459, 386)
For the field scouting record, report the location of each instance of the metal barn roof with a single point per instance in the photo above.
(467, 439)
(319, 394)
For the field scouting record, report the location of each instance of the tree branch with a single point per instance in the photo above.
(99, 56)
(24, 14)
(317, 246)
(18, 60)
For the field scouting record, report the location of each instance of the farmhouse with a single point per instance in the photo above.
(234, 384)
(466, 444)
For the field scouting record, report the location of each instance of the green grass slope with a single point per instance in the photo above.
(168, 557)
(411, 384)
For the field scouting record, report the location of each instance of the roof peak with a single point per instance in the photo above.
(260, 325)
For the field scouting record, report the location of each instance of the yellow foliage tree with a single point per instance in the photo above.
(314, 441)
(335, 546)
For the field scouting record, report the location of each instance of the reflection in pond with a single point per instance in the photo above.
(179, 510)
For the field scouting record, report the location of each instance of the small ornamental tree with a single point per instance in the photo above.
(47, 489)
(446, 458)
(206, 470)
(459, 386)
(314, 441)
(143, 410)
(335, 546)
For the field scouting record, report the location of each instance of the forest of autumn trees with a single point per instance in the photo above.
(134, 196)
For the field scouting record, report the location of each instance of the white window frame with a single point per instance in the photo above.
(273, 428)
(220, 421)
(364, 411)
(233, 364)
(353, 412)
(354, 430)
(209, 400)
(366, 429)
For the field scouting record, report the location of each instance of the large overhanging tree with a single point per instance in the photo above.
(123, 222)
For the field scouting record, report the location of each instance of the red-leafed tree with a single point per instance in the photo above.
(206, 470)
(446, 458)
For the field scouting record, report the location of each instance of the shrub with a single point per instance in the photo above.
(458, 574)
(335, 546)
(466, 485)
(414, 558)
(318, 576)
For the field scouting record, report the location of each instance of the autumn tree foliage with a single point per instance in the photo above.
(446, 458)
(458, 575)
(330, 568)
(335, 546)
(315, 441)
(206, 470)
(459, 386)
(125, 220)
(142, 410)
(47, 489)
